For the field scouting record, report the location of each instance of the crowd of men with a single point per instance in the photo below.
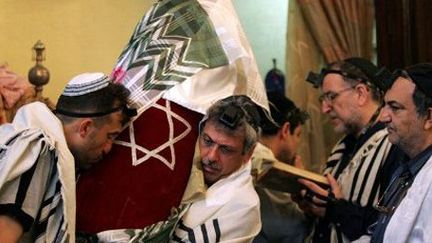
(378, 172)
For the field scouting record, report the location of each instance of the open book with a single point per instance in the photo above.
(283, 177)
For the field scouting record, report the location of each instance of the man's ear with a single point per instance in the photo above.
(249, 154)
(428, 119)
(363, 91)
(84, 126)
(285, 130)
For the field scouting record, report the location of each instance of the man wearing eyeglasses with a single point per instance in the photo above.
(405, 208)
(360, 162)
(229, 210)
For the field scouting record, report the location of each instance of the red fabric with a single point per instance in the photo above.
(115, 194)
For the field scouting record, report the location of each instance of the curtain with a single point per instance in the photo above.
(302, 56)
(320, 32)
(341, 28)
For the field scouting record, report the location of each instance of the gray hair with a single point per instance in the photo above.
(244, 115)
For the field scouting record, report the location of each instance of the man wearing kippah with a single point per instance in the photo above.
(40, 150)
(406, 206)
(282, 220)
(360, 163)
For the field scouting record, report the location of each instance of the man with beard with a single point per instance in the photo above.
(40, 150)
(282, 220)
(360, 162)
(229, 210)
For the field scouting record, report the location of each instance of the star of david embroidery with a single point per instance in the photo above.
(168, 144)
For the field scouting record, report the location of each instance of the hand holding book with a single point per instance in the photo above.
(313, 200)
(283, 177)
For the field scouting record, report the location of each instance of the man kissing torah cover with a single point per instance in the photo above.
(182, 57)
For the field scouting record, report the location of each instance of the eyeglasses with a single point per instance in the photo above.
(330, 96)
(397, 186)
(384, 209)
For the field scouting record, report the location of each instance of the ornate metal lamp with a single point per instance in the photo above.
(39, 75)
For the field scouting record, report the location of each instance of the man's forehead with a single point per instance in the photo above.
(220, 135)
(403, 84)
(401, 89)
(332, 80)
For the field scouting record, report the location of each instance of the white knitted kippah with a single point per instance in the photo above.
(86, 83)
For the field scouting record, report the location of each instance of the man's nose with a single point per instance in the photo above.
(385, 115)
(212, 153)
(325, 106)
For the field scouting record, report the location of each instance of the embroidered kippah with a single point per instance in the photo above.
(86, 83)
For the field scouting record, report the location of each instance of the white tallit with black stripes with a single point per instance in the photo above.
(228, 213)
(358, 181)
(33, 149)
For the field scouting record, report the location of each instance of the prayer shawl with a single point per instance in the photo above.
(229, 212)
(411, 222)
(182, 57)
(358, 180)
(262, 158)
(35, 128)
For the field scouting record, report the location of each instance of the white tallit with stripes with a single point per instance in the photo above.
(228, 213)
(37, 126)
(359, 176)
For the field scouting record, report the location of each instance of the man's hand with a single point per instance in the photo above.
(10, 230)
(312, 204)
(335, 188)
(303, 204)
(314, 198)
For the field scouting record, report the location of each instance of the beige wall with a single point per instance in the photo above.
(79, 35)
(265, 25)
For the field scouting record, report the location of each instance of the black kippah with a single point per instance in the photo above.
(374, 75)
(367, 67)
(421, 74)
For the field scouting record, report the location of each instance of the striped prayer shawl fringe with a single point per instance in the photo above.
(46, 219)
(204, 232)
(359, 180)
(159, 232)
(35, 169)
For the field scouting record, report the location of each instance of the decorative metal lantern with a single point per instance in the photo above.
(38, 75)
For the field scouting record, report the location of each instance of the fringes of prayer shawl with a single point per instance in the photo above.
(34, 145)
